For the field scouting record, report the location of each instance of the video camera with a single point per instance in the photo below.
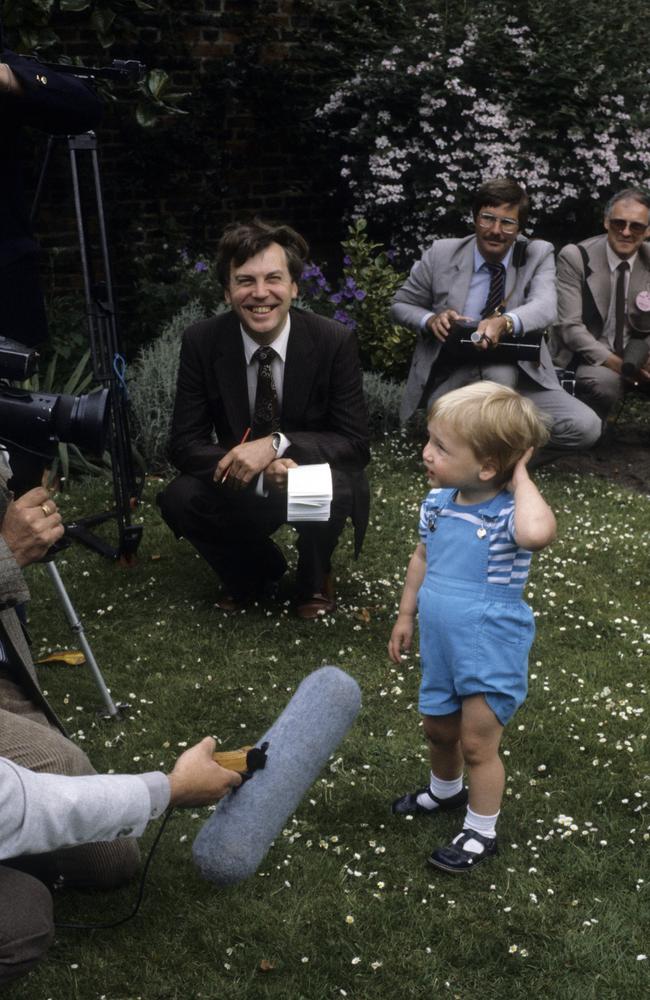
(37, 421)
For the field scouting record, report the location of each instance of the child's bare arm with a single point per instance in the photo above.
(402, 634)
(534, 520)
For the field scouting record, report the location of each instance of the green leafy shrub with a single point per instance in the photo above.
(419, 124)
(169, 280)
(362, 301)
(368, 269)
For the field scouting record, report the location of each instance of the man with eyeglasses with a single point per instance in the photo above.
(505, 285)
(603, 300)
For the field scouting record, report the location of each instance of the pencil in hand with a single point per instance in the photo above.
(245, 438)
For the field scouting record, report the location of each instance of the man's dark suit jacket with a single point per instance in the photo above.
(323, 409)
(52, 102)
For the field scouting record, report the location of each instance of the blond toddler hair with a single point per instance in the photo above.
(496, 422)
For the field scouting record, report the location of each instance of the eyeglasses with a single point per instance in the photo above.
(620, 225)
(486, 220)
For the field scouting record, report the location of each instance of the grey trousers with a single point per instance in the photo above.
(600, 387)
(573, 424)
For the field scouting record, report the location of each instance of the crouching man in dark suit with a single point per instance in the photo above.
(261, 389)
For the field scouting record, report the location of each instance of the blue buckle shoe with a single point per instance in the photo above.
(408, 805)
(457, 858)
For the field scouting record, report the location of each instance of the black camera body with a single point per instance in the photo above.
(36, 420)
(635, 355)
(462, 342)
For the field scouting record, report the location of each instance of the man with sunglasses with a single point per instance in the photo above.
(503, 284)
(603, 300)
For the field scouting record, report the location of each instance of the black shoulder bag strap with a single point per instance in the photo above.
(590, 315)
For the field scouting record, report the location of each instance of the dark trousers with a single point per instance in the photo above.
(22, 311)
(232, 531)
(26, 924)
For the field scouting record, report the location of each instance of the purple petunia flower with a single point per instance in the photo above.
(344, 318)
(200, 266)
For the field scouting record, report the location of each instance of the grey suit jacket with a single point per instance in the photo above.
(580, 321)
(440, 280)
(43, 812)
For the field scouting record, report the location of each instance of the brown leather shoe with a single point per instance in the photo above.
(315, 606)
(228, 603)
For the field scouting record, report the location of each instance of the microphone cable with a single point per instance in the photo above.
(255, 761)
(143, 879)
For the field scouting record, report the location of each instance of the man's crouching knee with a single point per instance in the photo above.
(26, 923)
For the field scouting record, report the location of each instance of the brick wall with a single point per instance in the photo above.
(243, 148)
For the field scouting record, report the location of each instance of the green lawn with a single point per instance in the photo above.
(345, 905)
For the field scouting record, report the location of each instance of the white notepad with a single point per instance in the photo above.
(309, 493)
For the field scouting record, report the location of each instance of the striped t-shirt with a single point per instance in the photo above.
(508, 563)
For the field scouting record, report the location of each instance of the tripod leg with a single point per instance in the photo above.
(77, 627)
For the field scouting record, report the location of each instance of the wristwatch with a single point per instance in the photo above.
(276, 441)
(510, 324)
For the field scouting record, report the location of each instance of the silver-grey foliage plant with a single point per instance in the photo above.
(152, 387)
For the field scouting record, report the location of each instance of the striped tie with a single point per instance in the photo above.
(496, 291)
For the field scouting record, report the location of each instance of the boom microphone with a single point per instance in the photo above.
(232, 844)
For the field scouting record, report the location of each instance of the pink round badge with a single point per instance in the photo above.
(642, 301)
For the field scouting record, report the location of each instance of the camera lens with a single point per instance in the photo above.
(83, 420)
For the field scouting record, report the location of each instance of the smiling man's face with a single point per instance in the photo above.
(627, 225)
(261, 291)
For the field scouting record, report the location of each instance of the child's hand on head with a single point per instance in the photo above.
(520, 472)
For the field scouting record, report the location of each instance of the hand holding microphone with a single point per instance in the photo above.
(197, 779)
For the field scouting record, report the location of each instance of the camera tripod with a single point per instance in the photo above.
(77, 627)
(107, 364)
(107, 361)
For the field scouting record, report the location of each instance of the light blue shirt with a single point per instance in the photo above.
(477, 294)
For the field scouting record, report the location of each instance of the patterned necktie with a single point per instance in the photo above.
(620, 308)
(496, 291)
(266, 418)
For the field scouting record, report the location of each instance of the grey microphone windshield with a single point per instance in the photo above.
(232, 844)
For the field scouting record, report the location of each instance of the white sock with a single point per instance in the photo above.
(485, 825)
(441, 789)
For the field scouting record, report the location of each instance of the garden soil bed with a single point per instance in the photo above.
(623, 456)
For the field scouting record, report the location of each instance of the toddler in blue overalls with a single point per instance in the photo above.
(478, 527)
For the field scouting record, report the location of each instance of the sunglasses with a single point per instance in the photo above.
(620, 225)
